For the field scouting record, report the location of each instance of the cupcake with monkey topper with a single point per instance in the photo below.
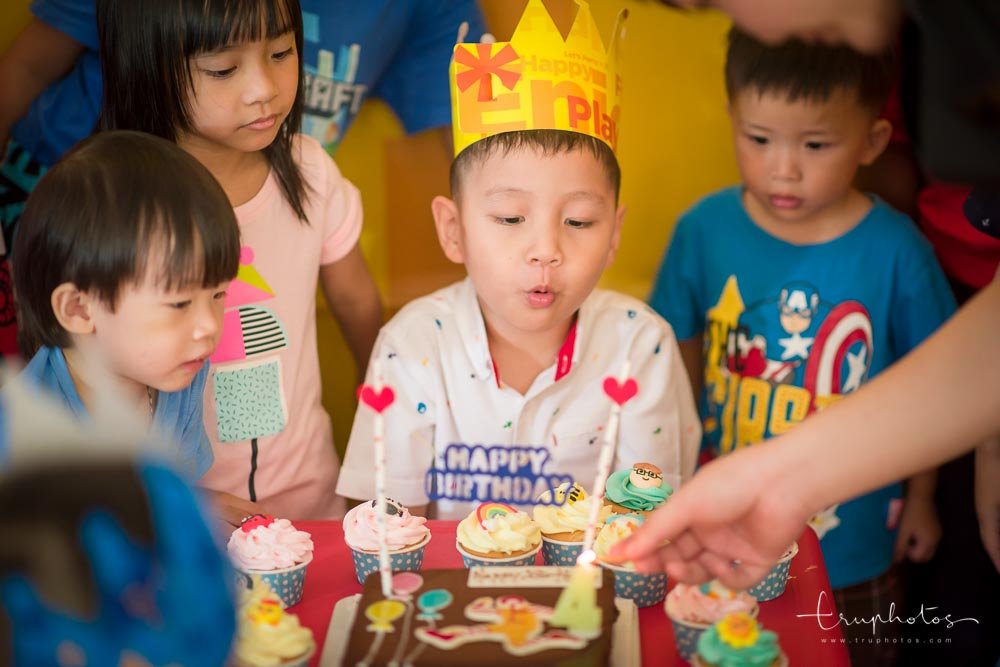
(274, 550)
(639, 489)
(562, 518)
(739, 641)
(498, 534)
(406, 537)
(643, 589)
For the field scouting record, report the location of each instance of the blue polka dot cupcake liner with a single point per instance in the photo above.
(520, 560)
(287, 583)
(773, 585)
(644, 590)
(686, 638)
(410, 559)
(557, 552)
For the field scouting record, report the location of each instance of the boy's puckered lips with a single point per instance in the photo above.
(540, 296)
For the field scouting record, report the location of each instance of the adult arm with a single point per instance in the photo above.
(938, 402)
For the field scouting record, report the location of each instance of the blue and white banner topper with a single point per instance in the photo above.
(499, 473)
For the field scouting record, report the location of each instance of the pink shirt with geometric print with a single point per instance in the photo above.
(270, 434)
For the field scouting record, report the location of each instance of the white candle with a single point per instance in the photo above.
(604, 463)
(385, 569)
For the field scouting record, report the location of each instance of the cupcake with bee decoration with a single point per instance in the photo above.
(562, 516)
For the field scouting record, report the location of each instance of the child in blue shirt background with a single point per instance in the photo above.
(791, 290)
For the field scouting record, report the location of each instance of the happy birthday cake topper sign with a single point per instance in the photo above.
(500, 473)
(538, 80)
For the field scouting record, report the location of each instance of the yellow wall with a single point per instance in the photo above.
(675, 147)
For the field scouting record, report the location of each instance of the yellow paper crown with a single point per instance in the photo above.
(538, 80)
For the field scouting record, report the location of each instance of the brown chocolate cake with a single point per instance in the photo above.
(483, 616)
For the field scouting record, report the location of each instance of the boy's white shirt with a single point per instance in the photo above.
(435, 356)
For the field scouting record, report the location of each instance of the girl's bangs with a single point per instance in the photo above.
(225, 23)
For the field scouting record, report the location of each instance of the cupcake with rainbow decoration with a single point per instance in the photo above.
(644, 590)
(266, 634)
(563, 517)
(406, 537)
(739, 641)
(636, 490)
(693, 609)
(498, 534)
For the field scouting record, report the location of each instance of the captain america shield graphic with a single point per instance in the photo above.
(842, 352)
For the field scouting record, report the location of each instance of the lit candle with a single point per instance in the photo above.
(577, 610)
(385, 570)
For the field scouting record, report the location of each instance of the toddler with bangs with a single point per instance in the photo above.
(121, 267)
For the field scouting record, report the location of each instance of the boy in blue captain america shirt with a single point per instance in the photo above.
(790, 291)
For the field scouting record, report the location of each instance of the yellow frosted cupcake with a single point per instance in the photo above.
(266, 634)
(563, 519)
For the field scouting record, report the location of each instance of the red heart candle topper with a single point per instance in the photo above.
(620, 392)
(376, 400)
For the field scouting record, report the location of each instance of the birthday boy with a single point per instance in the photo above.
(517, 353)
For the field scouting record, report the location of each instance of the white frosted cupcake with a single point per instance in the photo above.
(498, 534)
(643, 589)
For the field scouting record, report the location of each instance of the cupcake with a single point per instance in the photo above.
(643, 589)
(498, 534)
(773, 584)
(640, 489)
(692, 609)
(266, 634)
(406, 536)
(564, 521)
(275, 551)
(738, 641)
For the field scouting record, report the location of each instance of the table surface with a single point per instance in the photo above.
(330, 577)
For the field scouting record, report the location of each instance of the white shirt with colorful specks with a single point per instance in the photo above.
(435, 356)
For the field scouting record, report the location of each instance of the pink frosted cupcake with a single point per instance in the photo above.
(693, 609)
(405, 535)
(274, 550)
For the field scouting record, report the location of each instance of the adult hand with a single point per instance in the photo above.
(731, 522)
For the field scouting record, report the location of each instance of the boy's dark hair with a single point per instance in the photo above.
(94, 218)
(146, 49)
(810, 72)
(547, 142)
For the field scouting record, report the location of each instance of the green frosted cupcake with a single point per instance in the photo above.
(738, 641)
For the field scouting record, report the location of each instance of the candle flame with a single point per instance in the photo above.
(587, 557)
